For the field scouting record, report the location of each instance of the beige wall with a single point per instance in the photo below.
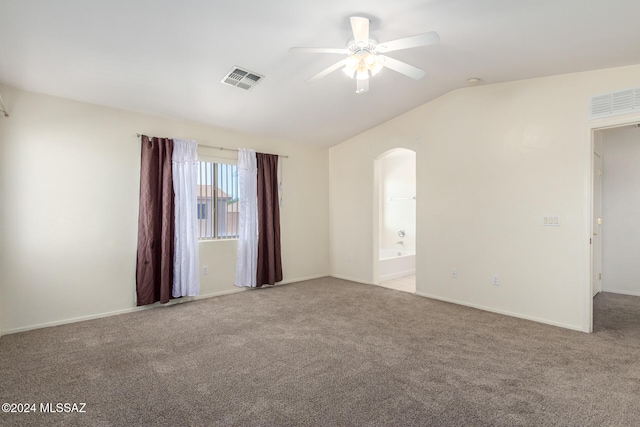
(69, 208)
(491, 162)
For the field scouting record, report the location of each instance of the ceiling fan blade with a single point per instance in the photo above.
(402, 67)
(409, 42)
(360, 28)
(317, 50)
(328, 71)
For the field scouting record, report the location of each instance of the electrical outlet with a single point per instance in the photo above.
(454, 273)
(205, 270)
(496, 280)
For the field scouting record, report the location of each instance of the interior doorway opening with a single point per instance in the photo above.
(395, 251)
(615, 231)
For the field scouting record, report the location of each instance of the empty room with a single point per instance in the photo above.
(319, 213)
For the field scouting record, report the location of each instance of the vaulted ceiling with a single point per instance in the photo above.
(167, 58)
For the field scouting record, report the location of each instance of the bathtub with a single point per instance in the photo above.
(396, 263)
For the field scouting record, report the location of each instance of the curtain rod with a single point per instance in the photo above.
(221, 148)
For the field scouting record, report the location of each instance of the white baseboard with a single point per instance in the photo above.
(303, 279)
(117, 312)
(504, 312)
(621, 292)
(146, 307)
(73, 320)
(351, 279)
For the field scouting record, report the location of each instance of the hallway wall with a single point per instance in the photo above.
(621, 211)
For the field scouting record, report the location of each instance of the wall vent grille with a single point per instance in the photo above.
(614, 103)
(241, 78)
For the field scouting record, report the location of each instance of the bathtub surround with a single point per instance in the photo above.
(394, 253)
(394, 264)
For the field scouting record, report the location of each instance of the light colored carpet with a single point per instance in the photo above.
(328, 352)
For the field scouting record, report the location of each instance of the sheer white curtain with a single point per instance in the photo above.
(186, 280)
(247, 262)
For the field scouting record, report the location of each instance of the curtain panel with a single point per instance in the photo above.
(186, 278)
(246, 263)
(269, 264)
(154, 264)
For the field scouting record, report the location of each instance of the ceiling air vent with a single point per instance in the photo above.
(243, 79)
(614, 103)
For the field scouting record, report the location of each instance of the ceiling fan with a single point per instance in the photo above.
(365, 55)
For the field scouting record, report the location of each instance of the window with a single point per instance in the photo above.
(217, 194)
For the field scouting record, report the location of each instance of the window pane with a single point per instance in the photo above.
(217, 200)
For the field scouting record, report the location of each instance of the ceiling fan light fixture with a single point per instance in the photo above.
(351, 66)
(370, 60)
(373, 62)
(362, 73)
(376, 69)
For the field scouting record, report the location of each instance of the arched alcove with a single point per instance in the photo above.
(395, 187)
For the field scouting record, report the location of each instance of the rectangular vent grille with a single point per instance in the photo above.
(614, 103)
(243, 79)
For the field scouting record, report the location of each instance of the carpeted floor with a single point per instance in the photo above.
(328, 352)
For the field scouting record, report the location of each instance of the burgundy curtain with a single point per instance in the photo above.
(269, 259)
(154, 268)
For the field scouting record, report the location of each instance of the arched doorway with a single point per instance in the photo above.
(396, 243)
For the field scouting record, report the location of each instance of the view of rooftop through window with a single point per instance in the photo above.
(218, 207)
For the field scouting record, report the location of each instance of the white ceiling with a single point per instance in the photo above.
(167, 57)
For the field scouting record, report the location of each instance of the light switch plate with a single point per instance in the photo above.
(551, 220)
